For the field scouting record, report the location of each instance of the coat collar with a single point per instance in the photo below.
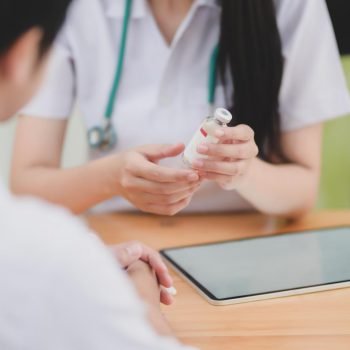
(115, 8)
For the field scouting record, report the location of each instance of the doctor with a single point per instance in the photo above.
(146, 73)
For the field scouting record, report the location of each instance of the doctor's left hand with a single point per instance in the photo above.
(130, 252)
(228, 161)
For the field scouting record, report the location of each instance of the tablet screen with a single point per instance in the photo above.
(263, 265)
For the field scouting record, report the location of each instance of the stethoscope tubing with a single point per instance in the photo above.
(104, 137)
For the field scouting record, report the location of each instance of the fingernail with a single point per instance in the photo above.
(219, 133)
(203, 148)
(192, 177)
(198, 163)
(134, 250)
(172, 290)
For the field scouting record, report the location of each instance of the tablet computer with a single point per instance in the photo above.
(266, 267)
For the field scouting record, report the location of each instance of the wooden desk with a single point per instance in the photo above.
(309, 322)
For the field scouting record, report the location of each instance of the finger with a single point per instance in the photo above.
(162, 199)
(157, 152)
(236, 151)
(221, 179)
(165, 297)
(130, 252)
(145, 186)
(238, 133)
(154, 259)
(219, 167)
(127, 253)
(167, 210)
(157, 173)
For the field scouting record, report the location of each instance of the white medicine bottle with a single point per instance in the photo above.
(205, 134)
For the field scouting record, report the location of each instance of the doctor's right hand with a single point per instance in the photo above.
(151, 187)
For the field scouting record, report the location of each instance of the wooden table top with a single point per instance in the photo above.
(316, 321)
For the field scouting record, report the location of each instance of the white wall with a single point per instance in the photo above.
(74, 152)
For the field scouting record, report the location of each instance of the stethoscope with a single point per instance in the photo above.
(104, 137)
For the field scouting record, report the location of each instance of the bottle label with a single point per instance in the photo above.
(203, 135)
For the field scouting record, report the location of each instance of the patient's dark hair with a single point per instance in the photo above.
(19, 16)
(250, 50)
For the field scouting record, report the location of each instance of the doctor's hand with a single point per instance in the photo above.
(132, 252)
(153, 188)
(230, 159)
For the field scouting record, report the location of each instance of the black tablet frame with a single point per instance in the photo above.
(207, 292)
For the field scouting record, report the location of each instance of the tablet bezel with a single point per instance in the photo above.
(256, 296)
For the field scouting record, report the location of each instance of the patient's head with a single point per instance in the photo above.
(27, 30)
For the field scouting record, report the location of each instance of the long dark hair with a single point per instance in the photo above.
(19, 16)
(250, 49)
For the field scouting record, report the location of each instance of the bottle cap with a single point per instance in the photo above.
(223, 115)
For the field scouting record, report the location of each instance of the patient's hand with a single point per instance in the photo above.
(142, 261)
(151, 293)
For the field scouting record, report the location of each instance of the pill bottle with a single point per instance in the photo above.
(205, 134)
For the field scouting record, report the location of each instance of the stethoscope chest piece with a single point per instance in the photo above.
(102, 138)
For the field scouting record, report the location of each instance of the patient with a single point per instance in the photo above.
(61, 288)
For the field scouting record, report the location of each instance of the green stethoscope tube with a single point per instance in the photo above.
(104, 138)
(212, 75)
(118, 74)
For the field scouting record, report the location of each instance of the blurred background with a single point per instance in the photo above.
(335, 182)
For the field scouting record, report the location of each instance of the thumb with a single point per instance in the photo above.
(127, 253)
(157, 152)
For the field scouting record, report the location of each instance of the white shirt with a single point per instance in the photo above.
(163, 93)
(60, 287)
